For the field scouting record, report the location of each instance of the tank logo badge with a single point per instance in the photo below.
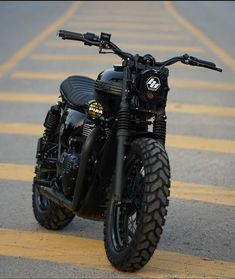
(153, 83)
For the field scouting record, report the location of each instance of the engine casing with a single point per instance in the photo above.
(68, 170)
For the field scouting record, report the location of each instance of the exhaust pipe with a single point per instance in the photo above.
(86, 152)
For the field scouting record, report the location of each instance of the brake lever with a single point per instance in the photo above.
(193, 61)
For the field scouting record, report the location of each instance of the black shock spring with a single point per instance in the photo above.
(51, 121)
(159, 129)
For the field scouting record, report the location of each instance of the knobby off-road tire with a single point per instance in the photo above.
(47, 213)
(132, 230)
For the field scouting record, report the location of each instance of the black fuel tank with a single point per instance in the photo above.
(108, 89)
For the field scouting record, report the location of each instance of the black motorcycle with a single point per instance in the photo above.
(102, 155)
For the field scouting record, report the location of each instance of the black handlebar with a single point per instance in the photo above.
(93, 40)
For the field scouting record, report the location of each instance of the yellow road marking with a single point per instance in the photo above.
(178, 141)
(179, 189)
(198, 143)
(171, 107)
(40, 75)
(165, 48)
(90, 253)
(21, 129)
(88, 58)
(24, 51)
(93, 58)
(202, 192)
(16, 172)
(200, 109)
(152, 47)
(120, 17)
(200, 84)
(220, 53)
(156, 36)
(27, 98)
(130, 25)
(177, 83)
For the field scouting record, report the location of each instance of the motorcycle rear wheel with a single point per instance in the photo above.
(48, 214)
(132, 229)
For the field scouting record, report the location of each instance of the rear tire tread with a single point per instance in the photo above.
(55, 218)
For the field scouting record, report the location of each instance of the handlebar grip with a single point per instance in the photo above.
(69, 35)
(204, 62)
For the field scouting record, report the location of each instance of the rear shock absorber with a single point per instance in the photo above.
(51, 121)
(159, 126)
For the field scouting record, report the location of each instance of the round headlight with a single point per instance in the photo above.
(95, 110)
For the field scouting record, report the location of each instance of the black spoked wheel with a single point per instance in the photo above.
(132, 229)
(127, 215)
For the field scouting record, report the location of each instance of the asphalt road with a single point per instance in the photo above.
(199, 236)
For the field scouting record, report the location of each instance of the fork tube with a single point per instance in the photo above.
(122, 134)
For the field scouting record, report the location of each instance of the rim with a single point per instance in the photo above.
(126, 217)
(42, 201)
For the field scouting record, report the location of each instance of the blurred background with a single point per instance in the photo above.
(201, 128)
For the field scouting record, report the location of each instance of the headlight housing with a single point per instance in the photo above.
(152, 86)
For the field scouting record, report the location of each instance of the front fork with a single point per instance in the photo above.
(122, 134)
(159, 130)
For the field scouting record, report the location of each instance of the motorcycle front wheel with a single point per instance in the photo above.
(132, 229)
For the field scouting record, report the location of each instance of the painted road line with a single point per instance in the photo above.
(92, 58)
(87, 58)
(123, 18)
(149, 47)
(219, 52)
(176, 141)
(177, 83)
(171, 107)
(200, 84)
(179, 189)
(123, 25)
(164, 48)
(200, 109)
(156, 36)
(199, 143)
(16, 172)
(90, 253)
(28, 98)
(21, 129)
(40, 75)
(204, 193)
(23, 52)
